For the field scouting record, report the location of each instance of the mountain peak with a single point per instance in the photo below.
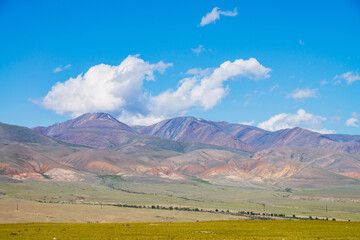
(97, 115)
(98, 120)
(302, 130)
(186, 118)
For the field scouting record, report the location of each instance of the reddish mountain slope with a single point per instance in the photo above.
(226, 167)
(334, 161)
(43, 158)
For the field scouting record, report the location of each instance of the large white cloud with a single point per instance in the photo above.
(102, 88)
(303, 93)
(300, 119)
(214, 15)
(120, 89)
(205, 89)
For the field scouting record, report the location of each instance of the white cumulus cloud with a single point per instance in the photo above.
(214, 15)
(102, 88)
(119, 89)
(303, 93)
(300, 119)
(205, 91)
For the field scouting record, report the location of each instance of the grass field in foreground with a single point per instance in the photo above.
(243, 229)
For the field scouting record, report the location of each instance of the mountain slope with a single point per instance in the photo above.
(189, 129)
(249, 138)
(343, 137)
(28, 155)
(298, 137)
(243, 132)
(334, 161)
(98, 130)
(10, 133)
(218, 166)
(98, 121)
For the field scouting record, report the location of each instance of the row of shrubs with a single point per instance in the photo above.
(239, 213)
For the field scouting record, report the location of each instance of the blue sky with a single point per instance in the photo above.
(306, 71)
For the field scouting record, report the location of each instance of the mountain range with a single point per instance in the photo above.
(178, 149)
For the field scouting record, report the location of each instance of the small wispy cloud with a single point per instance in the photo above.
(273, 88)
(349, 77)
(198, 50)
(302, 42)
(60, 68)
(303, 93)
(323, 83)
(214, 15)
(353, 122)
(247, 123)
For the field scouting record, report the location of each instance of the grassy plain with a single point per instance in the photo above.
(49, 197)
(30, 211)
(243, 229)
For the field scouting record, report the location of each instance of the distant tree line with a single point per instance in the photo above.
(250, 214)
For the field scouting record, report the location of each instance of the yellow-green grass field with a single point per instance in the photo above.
(241, 229)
